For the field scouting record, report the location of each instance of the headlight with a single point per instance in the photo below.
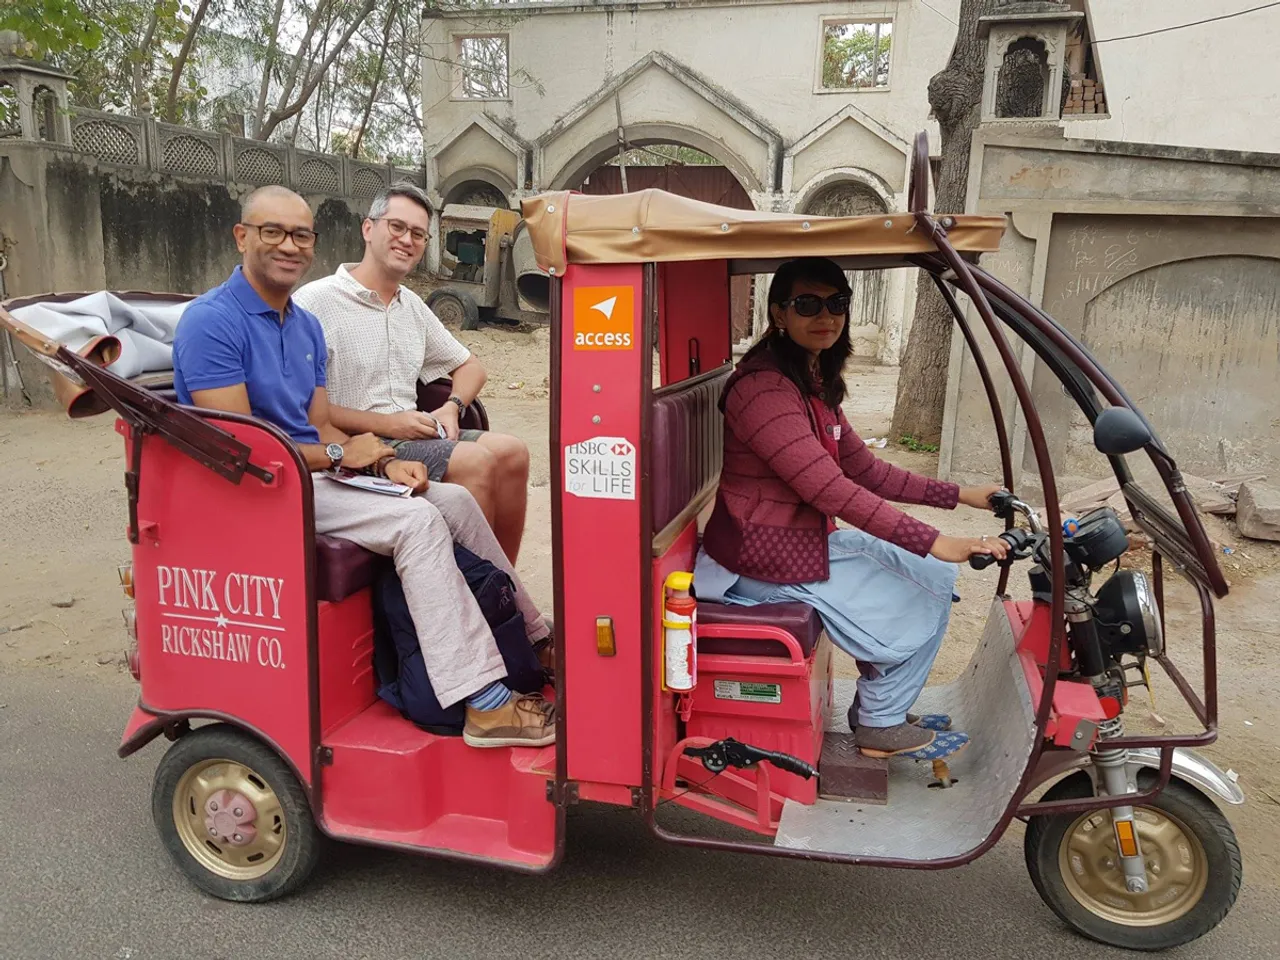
(1150, 614)
(1127, 616)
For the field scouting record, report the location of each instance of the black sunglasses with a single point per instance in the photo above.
(810, 304)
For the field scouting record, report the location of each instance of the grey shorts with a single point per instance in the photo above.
(433, 454)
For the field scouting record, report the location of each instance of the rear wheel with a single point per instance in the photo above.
(455, 307)
(233, 816)
(1193, 867)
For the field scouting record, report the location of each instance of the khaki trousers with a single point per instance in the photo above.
(418, 533)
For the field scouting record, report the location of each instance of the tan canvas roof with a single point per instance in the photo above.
(651, 225)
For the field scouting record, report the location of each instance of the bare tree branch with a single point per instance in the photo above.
(278, 116)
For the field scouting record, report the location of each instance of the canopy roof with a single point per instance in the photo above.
(653, 225)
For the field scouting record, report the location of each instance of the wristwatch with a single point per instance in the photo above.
(334, 452)
(462, 407)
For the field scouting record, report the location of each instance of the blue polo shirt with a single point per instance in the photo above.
(230, 335)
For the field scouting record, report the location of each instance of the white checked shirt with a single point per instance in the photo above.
(378, 352)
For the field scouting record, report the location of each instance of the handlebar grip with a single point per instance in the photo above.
(981, 561)
(792, 764)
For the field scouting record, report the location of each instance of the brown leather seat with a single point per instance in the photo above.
(342, 568)
(798, 619)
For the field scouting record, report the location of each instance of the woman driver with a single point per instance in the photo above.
(791, 463)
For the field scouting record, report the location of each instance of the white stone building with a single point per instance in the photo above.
(523, 97)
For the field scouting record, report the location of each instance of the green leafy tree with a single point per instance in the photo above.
(856, 55)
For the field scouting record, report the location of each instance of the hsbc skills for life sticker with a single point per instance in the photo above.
(602, 468)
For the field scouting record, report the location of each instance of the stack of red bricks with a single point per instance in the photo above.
(1086, 97)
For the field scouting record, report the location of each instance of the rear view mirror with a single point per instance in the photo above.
(1118, 430)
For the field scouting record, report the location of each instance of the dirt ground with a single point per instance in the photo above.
(62, 537)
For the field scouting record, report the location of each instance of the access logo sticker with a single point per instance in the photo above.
(604, 318)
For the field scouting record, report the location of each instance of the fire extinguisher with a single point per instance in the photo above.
(680, 633)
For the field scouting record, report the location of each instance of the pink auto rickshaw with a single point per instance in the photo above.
(253, 637)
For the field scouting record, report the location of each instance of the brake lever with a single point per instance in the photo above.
(718, 756)
(1001, 503)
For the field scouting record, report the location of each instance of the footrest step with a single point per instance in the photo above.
(845, 774)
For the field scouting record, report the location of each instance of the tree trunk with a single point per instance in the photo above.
(955, 95)
(283, 113)
(373, 86)
(180, 62)
(260, 111)
(141, 54)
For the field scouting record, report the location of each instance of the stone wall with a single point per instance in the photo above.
(1164, 262)
(136, 205)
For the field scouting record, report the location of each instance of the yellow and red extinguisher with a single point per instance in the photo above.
(680, 634)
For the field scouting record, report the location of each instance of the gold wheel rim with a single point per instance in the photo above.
(224, 846)
(1177, 868)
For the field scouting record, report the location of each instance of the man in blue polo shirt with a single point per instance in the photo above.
(245, 347)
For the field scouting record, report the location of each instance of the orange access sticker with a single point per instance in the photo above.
(604, 318)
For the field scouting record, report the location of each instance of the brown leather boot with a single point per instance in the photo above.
(526, 720)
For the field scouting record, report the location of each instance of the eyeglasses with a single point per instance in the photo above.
(810, 304)
(398, 228)
(273, 234)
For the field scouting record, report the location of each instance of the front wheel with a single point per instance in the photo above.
(1193, 867)
(233, 816)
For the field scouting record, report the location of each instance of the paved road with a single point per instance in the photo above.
(82, 876)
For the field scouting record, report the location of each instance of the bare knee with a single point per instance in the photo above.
(510, 454)
(474, 467)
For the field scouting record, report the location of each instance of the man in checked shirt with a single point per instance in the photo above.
(382, 339)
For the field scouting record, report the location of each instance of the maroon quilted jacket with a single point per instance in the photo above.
(780, 484)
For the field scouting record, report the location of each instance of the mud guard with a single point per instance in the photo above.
(1188, 766)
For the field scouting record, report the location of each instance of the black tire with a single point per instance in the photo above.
(299, 850)
(455, 306)
(1200, 821)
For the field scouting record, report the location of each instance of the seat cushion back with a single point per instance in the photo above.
(687, 443)
(342, 568)
(798, 619)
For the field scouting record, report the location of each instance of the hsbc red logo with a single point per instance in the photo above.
(621, 449)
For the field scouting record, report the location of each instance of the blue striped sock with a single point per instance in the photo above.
(492, 697)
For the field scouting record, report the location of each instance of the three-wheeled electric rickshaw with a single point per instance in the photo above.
(253, 636)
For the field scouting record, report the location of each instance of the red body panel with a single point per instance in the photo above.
(693, 306)
(600, 559)
(1073, 700)
(220, 583)
(793, 726)
(347, 684)
(680, 556)
(392, 783)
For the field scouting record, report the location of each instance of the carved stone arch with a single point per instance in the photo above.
(810, 196)
(823, 152)
(592, 154)
(661, 101)
(479, 149)
(1022, 78)
(477, 191)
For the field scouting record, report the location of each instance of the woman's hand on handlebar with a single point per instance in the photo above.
(979, 497)
(960, 549)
